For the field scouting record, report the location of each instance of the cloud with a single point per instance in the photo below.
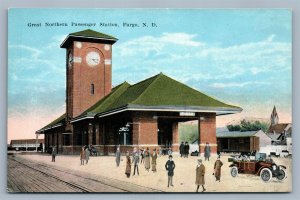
(56, 41)
(34, 52)
(237, 84)
(154, 45)
(270, 38)
(183, 39)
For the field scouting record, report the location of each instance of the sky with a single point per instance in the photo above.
(239, 56)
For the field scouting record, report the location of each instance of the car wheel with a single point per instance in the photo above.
(281, 175)
(234, 171)
(266, 174)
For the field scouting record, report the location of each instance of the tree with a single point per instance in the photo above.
(248, 126)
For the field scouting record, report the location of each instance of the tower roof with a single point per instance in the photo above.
(88, 36)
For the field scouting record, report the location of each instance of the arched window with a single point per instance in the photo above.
(92, 89)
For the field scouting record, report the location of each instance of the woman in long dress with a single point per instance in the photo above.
(82, 156)
(128, 165)
(147, 159)
(153, 161)
(118, 156)
(217, 168)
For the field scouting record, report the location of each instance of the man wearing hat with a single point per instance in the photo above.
(170, 166)
(200, 171)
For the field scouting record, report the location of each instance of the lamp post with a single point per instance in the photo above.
(124, 130)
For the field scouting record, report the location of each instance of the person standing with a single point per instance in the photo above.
(153, 161)
(170, 166)
(217, 168)
(181, 149)
(135, 161)
(118, 156)
(142, 155)
(207, 151)
(128, 165)
(200, 172)
(87, 154)
(147, 159)
(186, 149)
(82, 156)
(53, 153)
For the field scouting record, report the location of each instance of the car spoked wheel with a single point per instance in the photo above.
(234, 171)
(266, 175)
(281, 175)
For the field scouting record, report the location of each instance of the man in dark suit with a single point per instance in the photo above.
(181, 149)
(170, 166)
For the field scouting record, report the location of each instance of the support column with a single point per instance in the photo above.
(207, 131)
(144, 130)
(97, 134)
(175, 137)
(90, 132)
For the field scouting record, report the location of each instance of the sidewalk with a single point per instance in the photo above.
(184, 176)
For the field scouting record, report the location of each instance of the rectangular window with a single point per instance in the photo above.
(92, 89)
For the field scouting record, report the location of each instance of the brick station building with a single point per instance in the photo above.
(142, 115)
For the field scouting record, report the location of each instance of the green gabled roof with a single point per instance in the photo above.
(55, 122)
(88, 36)
(167, 91)
(159, 90)
(92, 33)
(105, 103)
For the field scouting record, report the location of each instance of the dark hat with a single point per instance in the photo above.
(170, 156)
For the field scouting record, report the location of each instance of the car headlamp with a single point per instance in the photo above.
(274, 167)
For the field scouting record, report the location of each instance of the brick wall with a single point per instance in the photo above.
(207, 131)
(175, 137)
(144, 129)
(80, 76)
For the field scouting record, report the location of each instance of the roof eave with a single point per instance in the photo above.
(170, 108)
(50, 127)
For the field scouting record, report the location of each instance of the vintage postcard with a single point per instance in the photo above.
(149, 100)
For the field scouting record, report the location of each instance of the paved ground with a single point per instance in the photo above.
(104, 168)
(25, 175)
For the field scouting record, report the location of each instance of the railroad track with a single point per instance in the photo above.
(27, 176)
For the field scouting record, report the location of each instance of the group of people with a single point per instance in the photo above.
(145, 159)
(85, 155)
(184, 149)
(170, 164)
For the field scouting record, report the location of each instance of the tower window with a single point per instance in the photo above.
(92, 89)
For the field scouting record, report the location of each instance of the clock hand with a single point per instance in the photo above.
(96, 60)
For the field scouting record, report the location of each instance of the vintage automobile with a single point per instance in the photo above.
(259, 166)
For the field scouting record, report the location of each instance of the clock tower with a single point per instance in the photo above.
(88, 69)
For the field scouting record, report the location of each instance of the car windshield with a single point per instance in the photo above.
(260, 156)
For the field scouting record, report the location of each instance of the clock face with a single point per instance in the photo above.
(92, 58)
(70, 59)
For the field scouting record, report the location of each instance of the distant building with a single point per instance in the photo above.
(27, 144)
(279, 132)
(237, 141)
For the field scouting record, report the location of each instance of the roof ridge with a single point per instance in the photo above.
(117, 88)
(156, 77)
(80, 33)
(200, 92)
